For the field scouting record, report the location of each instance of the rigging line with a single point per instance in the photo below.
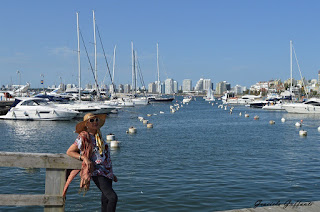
(140, 74)
(105, 56)
(89, 59)
(300, 71)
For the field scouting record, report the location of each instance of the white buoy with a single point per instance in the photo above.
(149, 125)
(298, 124)
(115, 144)
(145, 122)
(256, 117)
(303, 133)
(111, 137)
(272, 122)
(132, 130)
(283, 120)
(246, 115)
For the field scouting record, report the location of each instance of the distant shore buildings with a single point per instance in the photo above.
(171, 87)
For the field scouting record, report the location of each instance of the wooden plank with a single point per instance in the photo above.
(28, 200)
(55, 180)
(38, 160)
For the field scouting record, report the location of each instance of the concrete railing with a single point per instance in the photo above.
(56, 166)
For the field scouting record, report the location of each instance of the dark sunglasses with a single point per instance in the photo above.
(92, 120)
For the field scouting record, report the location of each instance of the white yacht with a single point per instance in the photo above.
(274, 106)
(37, 109)
(88, 107)
(312, 106)
(140, 101)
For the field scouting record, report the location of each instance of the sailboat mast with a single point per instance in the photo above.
(113, 68)
(135, 70)
(158, 69)
(95, 52)
(79, 67)
(114, 62)
(291, 67)
(132, 66)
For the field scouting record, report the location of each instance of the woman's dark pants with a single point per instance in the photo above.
(109, 198)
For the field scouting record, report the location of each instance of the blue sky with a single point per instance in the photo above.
(242, 42)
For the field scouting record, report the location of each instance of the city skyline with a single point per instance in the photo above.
(239, 42)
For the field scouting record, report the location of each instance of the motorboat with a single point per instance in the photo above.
(153, 99)
(140, 101)
(186, 99)
(88, 107)
(311, 106)
(37, 109)
(274, 106)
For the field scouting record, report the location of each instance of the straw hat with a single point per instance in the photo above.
(82, 125)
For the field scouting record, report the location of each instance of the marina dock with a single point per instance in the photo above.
(292, 207)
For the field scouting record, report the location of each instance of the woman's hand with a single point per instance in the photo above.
(87, 162)
(115, 179)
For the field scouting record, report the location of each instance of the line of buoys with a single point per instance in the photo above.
(132, 130)
(111, 137)
(303, 133)
(272, 122)
(114, 144)
(145, 121)
(298, 124)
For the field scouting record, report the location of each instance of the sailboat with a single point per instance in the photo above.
(287, 95)
(136, 100)
(209, 96)
(159, 98)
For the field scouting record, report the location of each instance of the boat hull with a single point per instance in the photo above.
(302, 108)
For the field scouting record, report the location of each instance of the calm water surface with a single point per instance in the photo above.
(200, 158)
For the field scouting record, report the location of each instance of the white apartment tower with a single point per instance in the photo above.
(168, 84)
(187, 85)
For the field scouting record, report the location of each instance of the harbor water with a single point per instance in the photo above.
(200, 158)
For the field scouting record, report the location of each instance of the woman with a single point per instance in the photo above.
(91, 149)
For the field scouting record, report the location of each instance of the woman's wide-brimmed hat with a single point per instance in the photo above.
(81, 126)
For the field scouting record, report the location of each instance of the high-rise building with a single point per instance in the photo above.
(127, 88)
(175, 87)
(168, 83)
(199, 85)
(221, 87)
(207, 84)
(120, 88)
(187, 85)
(152, 88)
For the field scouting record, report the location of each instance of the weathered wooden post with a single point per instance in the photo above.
(56, 166)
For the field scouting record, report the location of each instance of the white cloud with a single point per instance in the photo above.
(63, 51)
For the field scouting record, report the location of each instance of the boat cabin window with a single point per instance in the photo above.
(313, 103)
(35, 102)
(29, 103)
